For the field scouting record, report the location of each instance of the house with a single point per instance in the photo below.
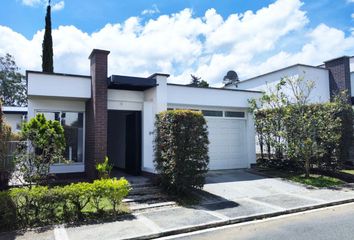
(14, 117)
(114, 116)
(329, 78)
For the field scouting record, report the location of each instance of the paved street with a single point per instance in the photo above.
(335, 223)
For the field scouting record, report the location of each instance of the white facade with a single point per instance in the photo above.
(235, 148)
(14, 117)
(318, 75)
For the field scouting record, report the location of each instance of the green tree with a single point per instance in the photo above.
(43, 144)
(198, 82)
(13, 91)
(47, 45)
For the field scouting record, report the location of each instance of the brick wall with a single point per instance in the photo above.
(96, 113)
(339, 75)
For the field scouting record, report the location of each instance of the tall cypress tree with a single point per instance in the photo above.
(47, 45)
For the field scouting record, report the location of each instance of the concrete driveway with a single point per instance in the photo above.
(241, 185)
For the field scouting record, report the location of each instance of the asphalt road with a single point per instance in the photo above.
(331, 223)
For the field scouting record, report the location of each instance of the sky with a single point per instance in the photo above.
(205, 38)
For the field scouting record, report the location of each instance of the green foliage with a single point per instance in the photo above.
(181, 150)
(198, 82)
(295, 131)
(47, 45)
(104, 169)
(43, 144)
(40, 205)
(13, 91)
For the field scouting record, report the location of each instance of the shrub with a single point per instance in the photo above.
(45, 146)
(25, 207)
(181, 150)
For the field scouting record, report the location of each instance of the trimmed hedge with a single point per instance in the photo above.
(40, 205)
(181, 150)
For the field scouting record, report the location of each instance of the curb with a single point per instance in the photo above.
(239, 220)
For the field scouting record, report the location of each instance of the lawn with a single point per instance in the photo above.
(349, 171)
(314, 180)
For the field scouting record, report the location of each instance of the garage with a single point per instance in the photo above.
(227, 134)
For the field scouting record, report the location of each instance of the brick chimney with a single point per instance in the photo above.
(339, 75)
(96, 113)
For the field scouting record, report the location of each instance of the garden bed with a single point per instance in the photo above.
(315, 180)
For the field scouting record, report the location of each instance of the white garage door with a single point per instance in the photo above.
(227, 149)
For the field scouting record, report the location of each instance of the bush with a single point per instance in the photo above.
(43, 145)
(181, 150)
(25, 207)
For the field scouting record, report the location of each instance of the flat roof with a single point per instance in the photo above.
(281, 69)
(130, 83)
(214, 88)
(56, 74)
(14, 110)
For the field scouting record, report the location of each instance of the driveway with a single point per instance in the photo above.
(273, 193)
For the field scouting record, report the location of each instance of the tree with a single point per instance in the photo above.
(42, 145)
(13, 91)
(47, 45)
(198, 82)
(5, 166)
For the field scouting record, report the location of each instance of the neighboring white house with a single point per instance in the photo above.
(114, 116)
(14, 117)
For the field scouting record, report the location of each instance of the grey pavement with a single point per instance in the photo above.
(335, 223)
(229, 197)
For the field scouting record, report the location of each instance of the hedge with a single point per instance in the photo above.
(41, 205)
(181, 150)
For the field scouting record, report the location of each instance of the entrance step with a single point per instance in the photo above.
(150, 206)
(147, 197)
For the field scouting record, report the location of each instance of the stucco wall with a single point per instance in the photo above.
(14, 121)
(320, 93)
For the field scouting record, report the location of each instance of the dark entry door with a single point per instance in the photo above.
(133, 143)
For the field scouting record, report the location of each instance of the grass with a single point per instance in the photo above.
(317, 181)
(314, 180)
(349, 171)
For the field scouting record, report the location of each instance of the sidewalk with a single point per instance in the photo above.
(213, 211)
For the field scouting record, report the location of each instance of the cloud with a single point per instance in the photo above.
(31, 3)
(153, 10)
(181, 44)
(58, 6)
(352, 15)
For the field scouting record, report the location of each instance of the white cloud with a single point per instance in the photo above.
(58, 6)
(154, 9)
(350, 1)
(31, 3)
(352, 14)
(181, 44)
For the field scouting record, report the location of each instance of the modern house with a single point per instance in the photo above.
(329, 78)
(114, 116)
(15, 116)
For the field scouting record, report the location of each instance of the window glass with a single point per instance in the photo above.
(211, 113)
(234, 114)
(73, 124)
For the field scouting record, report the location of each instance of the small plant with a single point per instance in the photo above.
(104, 169)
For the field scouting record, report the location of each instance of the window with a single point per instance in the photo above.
(73, 124)
(235, 114)
(211, 113)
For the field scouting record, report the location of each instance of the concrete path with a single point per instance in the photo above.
(333, 223)
(229, 197)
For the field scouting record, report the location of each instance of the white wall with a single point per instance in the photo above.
(209, 97)
(352, 82)
(320, 77)
(14, 121)
(55, 85)
(125, 100)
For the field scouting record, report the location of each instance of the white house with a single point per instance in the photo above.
(14, 117)
(114, 116)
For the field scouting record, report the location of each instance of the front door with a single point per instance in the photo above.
(133, 143)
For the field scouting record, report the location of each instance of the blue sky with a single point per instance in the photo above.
(299, 32)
